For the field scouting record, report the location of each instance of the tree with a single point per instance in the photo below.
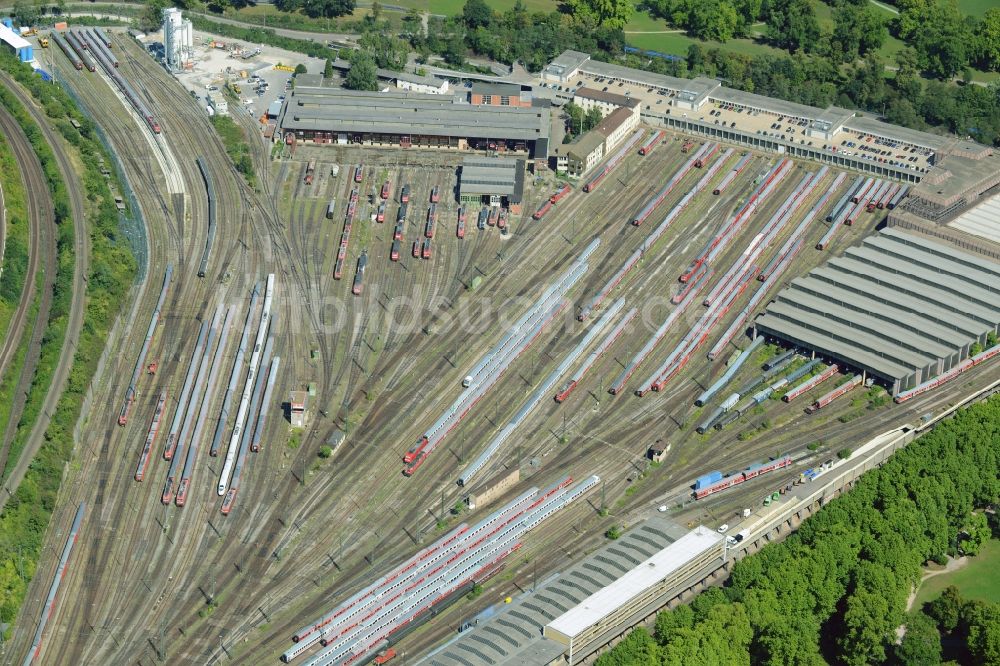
(388, 52)
(942, 42)
(945, 610)
(921, 645)
(912, 15)
(667, 622)
(981, 622)
(858, 30)
(300, 69)
(325, 452)
(592, 118)
(986, 49)
(376, 11)
(26, 13)
(748, 12)
(328, 69)
(476, 14)
(792, 24)
(362, 75)
(574, 118)
(636, 649)
(454, 51)
(907, 80)
(327, 8)
(713, 19)
(151, 17)
(608, 13)
(695, 57)
(976, 533)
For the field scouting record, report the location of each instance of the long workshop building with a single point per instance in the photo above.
(410, 120)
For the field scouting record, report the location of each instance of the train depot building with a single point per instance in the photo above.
(321, 114)
(494, 181)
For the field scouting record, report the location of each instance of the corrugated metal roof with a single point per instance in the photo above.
(894, 306)
(637, 580)
(493, 176)
(502, 89)
(828, 346)
(881, 346)
(893, 282)
(939, 323)
(961, 288)
(924, 350)
(332, 109)
(934, 263)
(991, 208)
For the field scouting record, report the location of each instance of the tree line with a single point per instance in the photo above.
(25, 517)
(836, 590)
(944, 40)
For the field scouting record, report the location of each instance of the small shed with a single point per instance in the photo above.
(297, 404)
(657, 452)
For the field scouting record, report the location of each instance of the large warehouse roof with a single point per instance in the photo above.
(335, 109)
(640, 578)
(901, 306)
(514, 634)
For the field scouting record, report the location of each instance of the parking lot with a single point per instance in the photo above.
(758, 121)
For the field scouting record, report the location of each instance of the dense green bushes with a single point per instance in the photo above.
(836, 590)
(112, 270)
(15, 256)
(236, 146)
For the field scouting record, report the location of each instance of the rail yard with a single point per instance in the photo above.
(226, 521)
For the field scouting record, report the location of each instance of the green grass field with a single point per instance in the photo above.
(976, 580)
(975, 7)
(677, 43)
(452, 7)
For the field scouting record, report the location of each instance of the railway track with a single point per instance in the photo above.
(302, 535)
(41, 247)
(81, 269)
(34, 187)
